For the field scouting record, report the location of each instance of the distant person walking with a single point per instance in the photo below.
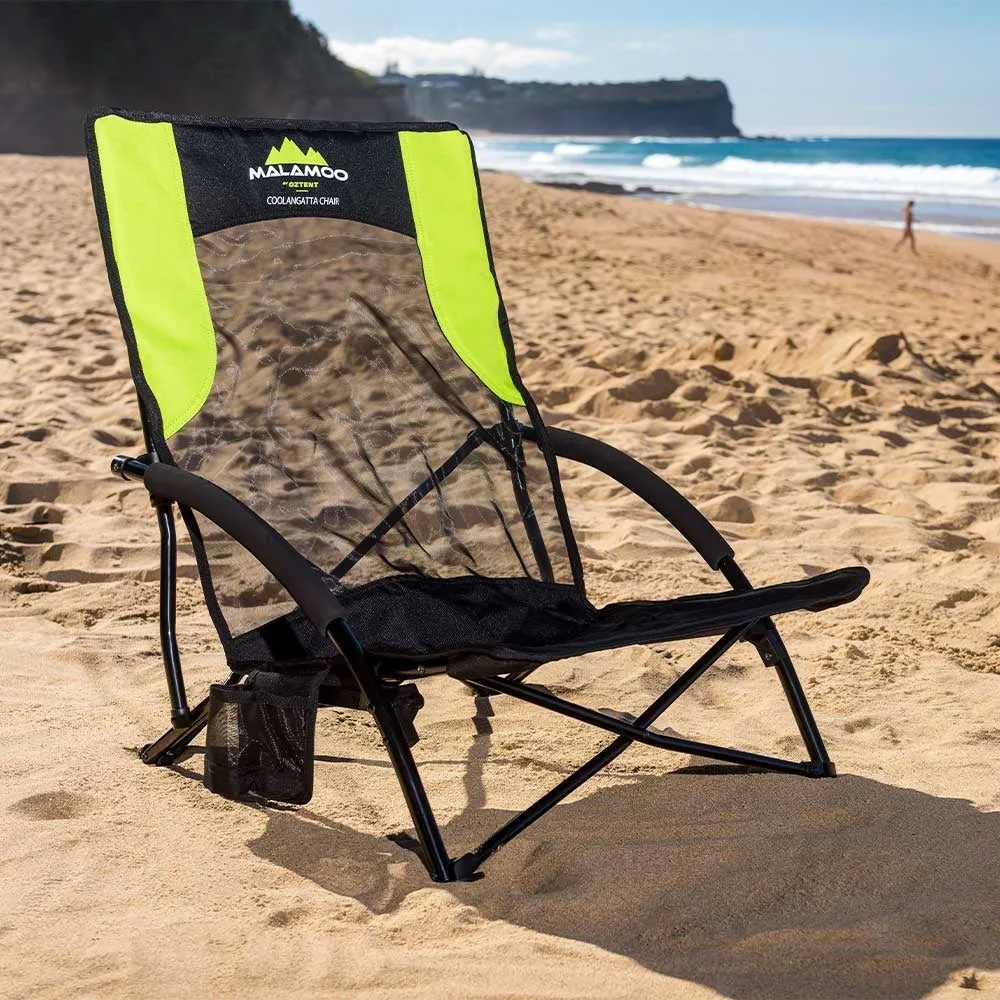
(908, 221)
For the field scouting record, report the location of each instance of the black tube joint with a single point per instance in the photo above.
(130, 468)
(180, 718)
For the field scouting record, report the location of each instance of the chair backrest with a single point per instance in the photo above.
(314, 323)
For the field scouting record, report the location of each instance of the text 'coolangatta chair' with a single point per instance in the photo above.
(330, 401)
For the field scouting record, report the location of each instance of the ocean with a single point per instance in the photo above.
(955, 182)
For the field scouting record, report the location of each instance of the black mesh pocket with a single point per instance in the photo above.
(261, 737)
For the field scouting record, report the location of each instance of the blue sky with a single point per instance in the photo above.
(850, 67)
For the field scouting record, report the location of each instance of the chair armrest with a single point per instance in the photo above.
(646, 485)
(303, 581)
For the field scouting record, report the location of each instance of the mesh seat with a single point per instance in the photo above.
(480, 626)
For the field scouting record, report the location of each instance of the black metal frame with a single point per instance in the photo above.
(377, 687)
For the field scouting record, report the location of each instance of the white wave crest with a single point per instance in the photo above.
(872, 179)
(571, 149)
(662, 161)
(561, 152)
(739, 175)
(638, 140)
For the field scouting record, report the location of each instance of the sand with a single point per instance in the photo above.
(826, 401)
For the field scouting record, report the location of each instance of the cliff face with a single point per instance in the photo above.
(214, 57)
(659, 107)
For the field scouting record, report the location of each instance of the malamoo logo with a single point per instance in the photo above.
(299, 172)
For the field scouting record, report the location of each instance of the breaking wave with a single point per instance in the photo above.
(706, 174)
(736, 174)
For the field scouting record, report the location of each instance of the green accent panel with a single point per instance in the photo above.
(444, 198)
(157, 265)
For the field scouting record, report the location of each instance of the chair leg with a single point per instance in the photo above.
(798, 703)
(174, 742)
(434, 856)
(773, 653)
(165, 750)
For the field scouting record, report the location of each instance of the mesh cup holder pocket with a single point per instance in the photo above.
(261, 737)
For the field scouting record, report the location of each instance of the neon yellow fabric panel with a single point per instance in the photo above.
(157, 266)
(444, 199)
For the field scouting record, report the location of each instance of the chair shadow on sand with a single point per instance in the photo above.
(756, 885)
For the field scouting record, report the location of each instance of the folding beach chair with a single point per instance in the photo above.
(330, 400)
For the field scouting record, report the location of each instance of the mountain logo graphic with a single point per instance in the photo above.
(288, 161)
(289, 153)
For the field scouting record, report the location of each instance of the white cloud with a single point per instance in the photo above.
(637, 45)
(562, 32)
(422, 55)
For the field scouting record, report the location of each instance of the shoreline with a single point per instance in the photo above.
(987, 246)
(955, 183)
(611, 189)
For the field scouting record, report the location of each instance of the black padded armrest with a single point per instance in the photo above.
(292, 570)
(646, 485)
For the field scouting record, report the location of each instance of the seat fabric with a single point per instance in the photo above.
(481, 626)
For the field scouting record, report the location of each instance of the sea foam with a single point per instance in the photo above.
(738, 174)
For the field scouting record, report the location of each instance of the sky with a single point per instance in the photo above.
(814, 67)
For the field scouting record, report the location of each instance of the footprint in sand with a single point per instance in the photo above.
(985, 736)
(886, 348)
(110, 440)
(29, 534)
(46, 514)
(21, 493)
(53, 805)
(895, 440)
(285, 918)
(959, 597)
(757, 413)
(694, 393)
(696, 464)
(655, 385)
(856, 725)
(948, 541)
(823, 481)
(919, 415)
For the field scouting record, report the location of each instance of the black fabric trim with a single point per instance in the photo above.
(542, 440)
(300, 124)
(220, 165)
(513, 452)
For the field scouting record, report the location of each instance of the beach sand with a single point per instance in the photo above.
(826, 401)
